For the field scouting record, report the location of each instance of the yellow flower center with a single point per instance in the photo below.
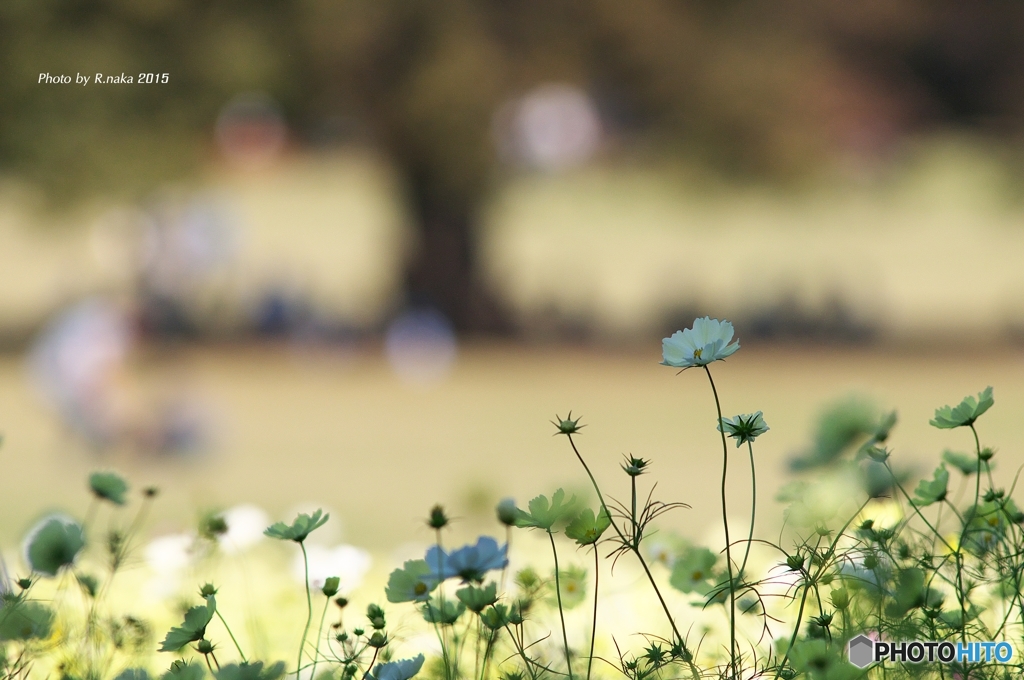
(696, 353)
(697, 575)
(420, 588)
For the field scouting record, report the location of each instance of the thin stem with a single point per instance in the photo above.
(622, 537)
(90, 514)
(597, 488)
(753, 507)
(725, 524)
(492, 636)
(477, 658)
(319, 636)
(508, 549)
(309, 607)
(593, 628)
(561, 613)
(632, 516)
(450, 664)
(369, 668)
(231, 635)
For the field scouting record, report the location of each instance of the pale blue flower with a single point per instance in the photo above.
(398, 670)
(470, 563)
(707, 341)
(744, 428)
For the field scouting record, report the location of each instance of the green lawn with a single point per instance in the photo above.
(340, 430)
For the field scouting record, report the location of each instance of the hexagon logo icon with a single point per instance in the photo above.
(861, 651)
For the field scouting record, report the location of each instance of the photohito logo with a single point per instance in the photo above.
(863, 651)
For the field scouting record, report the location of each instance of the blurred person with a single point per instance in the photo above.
(79, 366)
(184, 249)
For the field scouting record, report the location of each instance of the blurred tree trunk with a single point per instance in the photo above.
(443, 269)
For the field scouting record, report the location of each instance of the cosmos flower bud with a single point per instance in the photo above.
(506, 511)
(437, 519)
(567, 425)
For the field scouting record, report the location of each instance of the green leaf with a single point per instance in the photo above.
(24, 620)
(964, 413)
(586, 529)
(55, 544)
(544, 514)
(193, 629)
(302, 527)
(108, 486)
(934, 490)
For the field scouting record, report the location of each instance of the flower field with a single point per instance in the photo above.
(344, 435)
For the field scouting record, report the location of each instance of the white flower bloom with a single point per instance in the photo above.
(245, 527)
(707, 341)
(347, 562)
(169, 554)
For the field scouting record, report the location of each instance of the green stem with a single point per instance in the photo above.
(622, 537)
(593, 628)
(725, 523)
(319, 636)
(450, 661)
(309, 607)
(492, 635)
(231, 635)
(561, 613)
(597, 488)
(753, 507)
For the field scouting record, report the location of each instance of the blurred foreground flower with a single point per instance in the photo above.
(54, 543)
(108, 486)
(347, 562)
(411, 583)
(397, 670)
(245, 527)
(744, 428)
(470, 563)
(169, 554)
(706, 342)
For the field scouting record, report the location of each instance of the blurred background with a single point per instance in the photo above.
(359, 254)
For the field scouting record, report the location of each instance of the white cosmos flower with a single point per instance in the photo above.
(707, 341)
(168, 555)
(245, 527)
(347, 562)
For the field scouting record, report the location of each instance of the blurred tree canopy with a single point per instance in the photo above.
(749, 88)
